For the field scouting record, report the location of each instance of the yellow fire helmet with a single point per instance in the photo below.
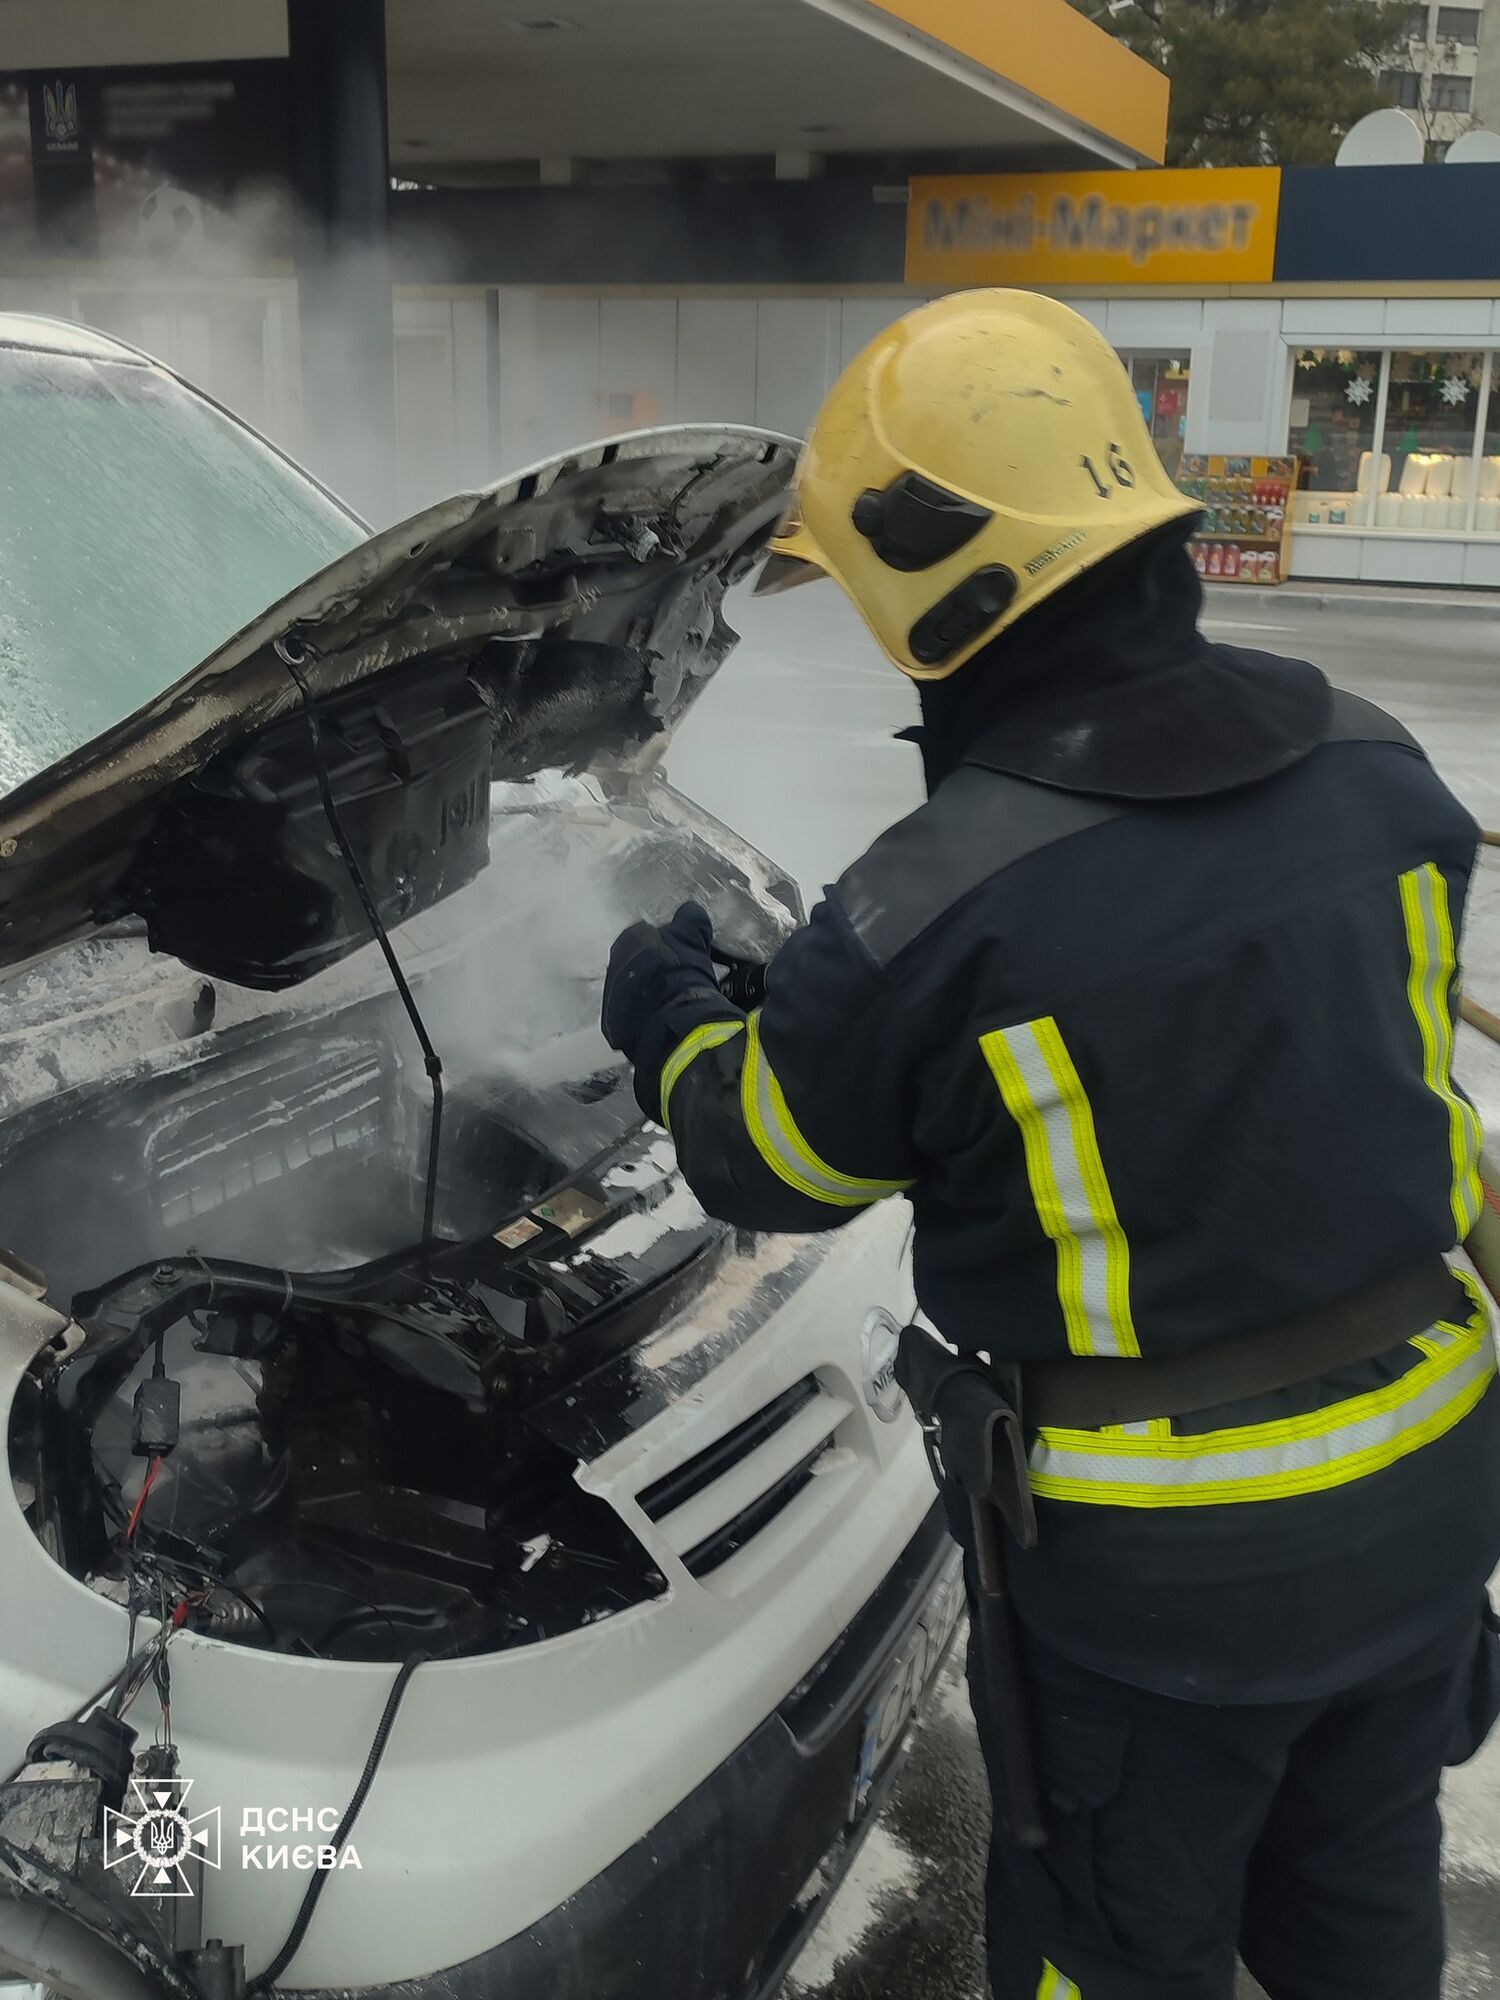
(978, 455)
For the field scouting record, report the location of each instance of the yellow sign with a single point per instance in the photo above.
(1175, 226)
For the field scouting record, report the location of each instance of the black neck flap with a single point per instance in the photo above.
(1110, 688)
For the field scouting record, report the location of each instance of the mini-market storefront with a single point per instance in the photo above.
(1347, 316)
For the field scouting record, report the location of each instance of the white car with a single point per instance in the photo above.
(437, 1558)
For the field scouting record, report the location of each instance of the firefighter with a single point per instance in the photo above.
(1149, 1012)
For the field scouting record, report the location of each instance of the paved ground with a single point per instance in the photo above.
(793, 747)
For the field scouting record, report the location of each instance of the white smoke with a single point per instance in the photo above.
(212, 290)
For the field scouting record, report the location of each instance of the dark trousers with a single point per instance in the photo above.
(1304, 1835)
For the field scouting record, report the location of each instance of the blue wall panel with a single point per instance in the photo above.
(1346, 225)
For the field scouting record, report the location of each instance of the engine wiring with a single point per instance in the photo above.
(209, 1581)
(197, 1562)
(116, 1703)
(152, 1663)
(292, 653)
(210, 1584)
(153, 1473)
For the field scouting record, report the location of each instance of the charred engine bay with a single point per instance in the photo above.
(356, 1474)
(228, 1188)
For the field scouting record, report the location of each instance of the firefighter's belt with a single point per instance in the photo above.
(1087, 1394)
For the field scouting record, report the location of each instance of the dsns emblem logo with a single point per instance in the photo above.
(159, 1836)
(878, 1341)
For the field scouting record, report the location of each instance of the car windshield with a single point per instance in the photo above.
(140, 527)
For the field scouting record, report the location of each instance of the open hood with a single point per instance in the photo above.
(565, 618)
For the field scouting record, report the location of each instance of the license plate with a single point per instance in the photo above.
(890, 1711)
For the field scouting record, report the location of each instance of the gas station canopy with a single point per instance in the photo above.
(474, 83)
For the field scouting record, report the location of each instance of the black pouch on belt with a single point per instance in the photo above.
(983, 1452)
(978, 1427)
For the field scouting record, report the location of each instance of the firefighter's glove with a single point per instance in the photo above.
(660, 985)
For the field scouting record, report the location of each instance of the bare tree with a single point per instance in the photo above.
(1432, 63)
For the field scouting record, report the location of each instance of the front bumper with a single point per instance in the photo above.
(515, 1780)
(719, 1897)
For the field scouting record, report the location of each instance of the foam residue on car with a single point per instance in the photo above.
(639, 1228)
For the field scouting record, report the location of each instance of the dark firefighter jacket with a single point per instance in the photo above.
(1153, 1074)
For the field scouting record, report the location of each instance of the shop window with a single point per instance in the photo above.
(1161, 384)
(1458, 24)
(1335, 396)
(1429, 438)
(1452, 93)
(1403, 87)
(1401, 456)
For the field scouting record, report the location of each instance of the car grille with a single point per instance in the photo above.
(715, 1503)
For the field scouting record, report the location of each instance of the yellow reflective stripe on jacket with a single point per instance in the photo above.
(781, 1145)
(1434, 961)
(712, 1035)
(1055, 1985)
(1288, 1456)
(1044, 1095)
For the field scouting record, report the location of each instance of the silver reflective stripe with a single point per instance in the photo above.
(1274, 1460)
(781, 1145)
(1075, 1206)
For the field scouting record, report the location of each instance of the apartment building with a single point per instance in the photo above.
(1445, 70)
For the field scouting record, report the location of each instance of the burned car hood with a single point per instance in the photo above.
(562, 619)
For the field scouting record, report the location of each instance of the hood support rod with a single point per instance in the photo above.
(293, 653)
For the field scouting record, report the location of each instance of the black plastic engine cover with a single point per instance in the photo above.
(242, 877)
